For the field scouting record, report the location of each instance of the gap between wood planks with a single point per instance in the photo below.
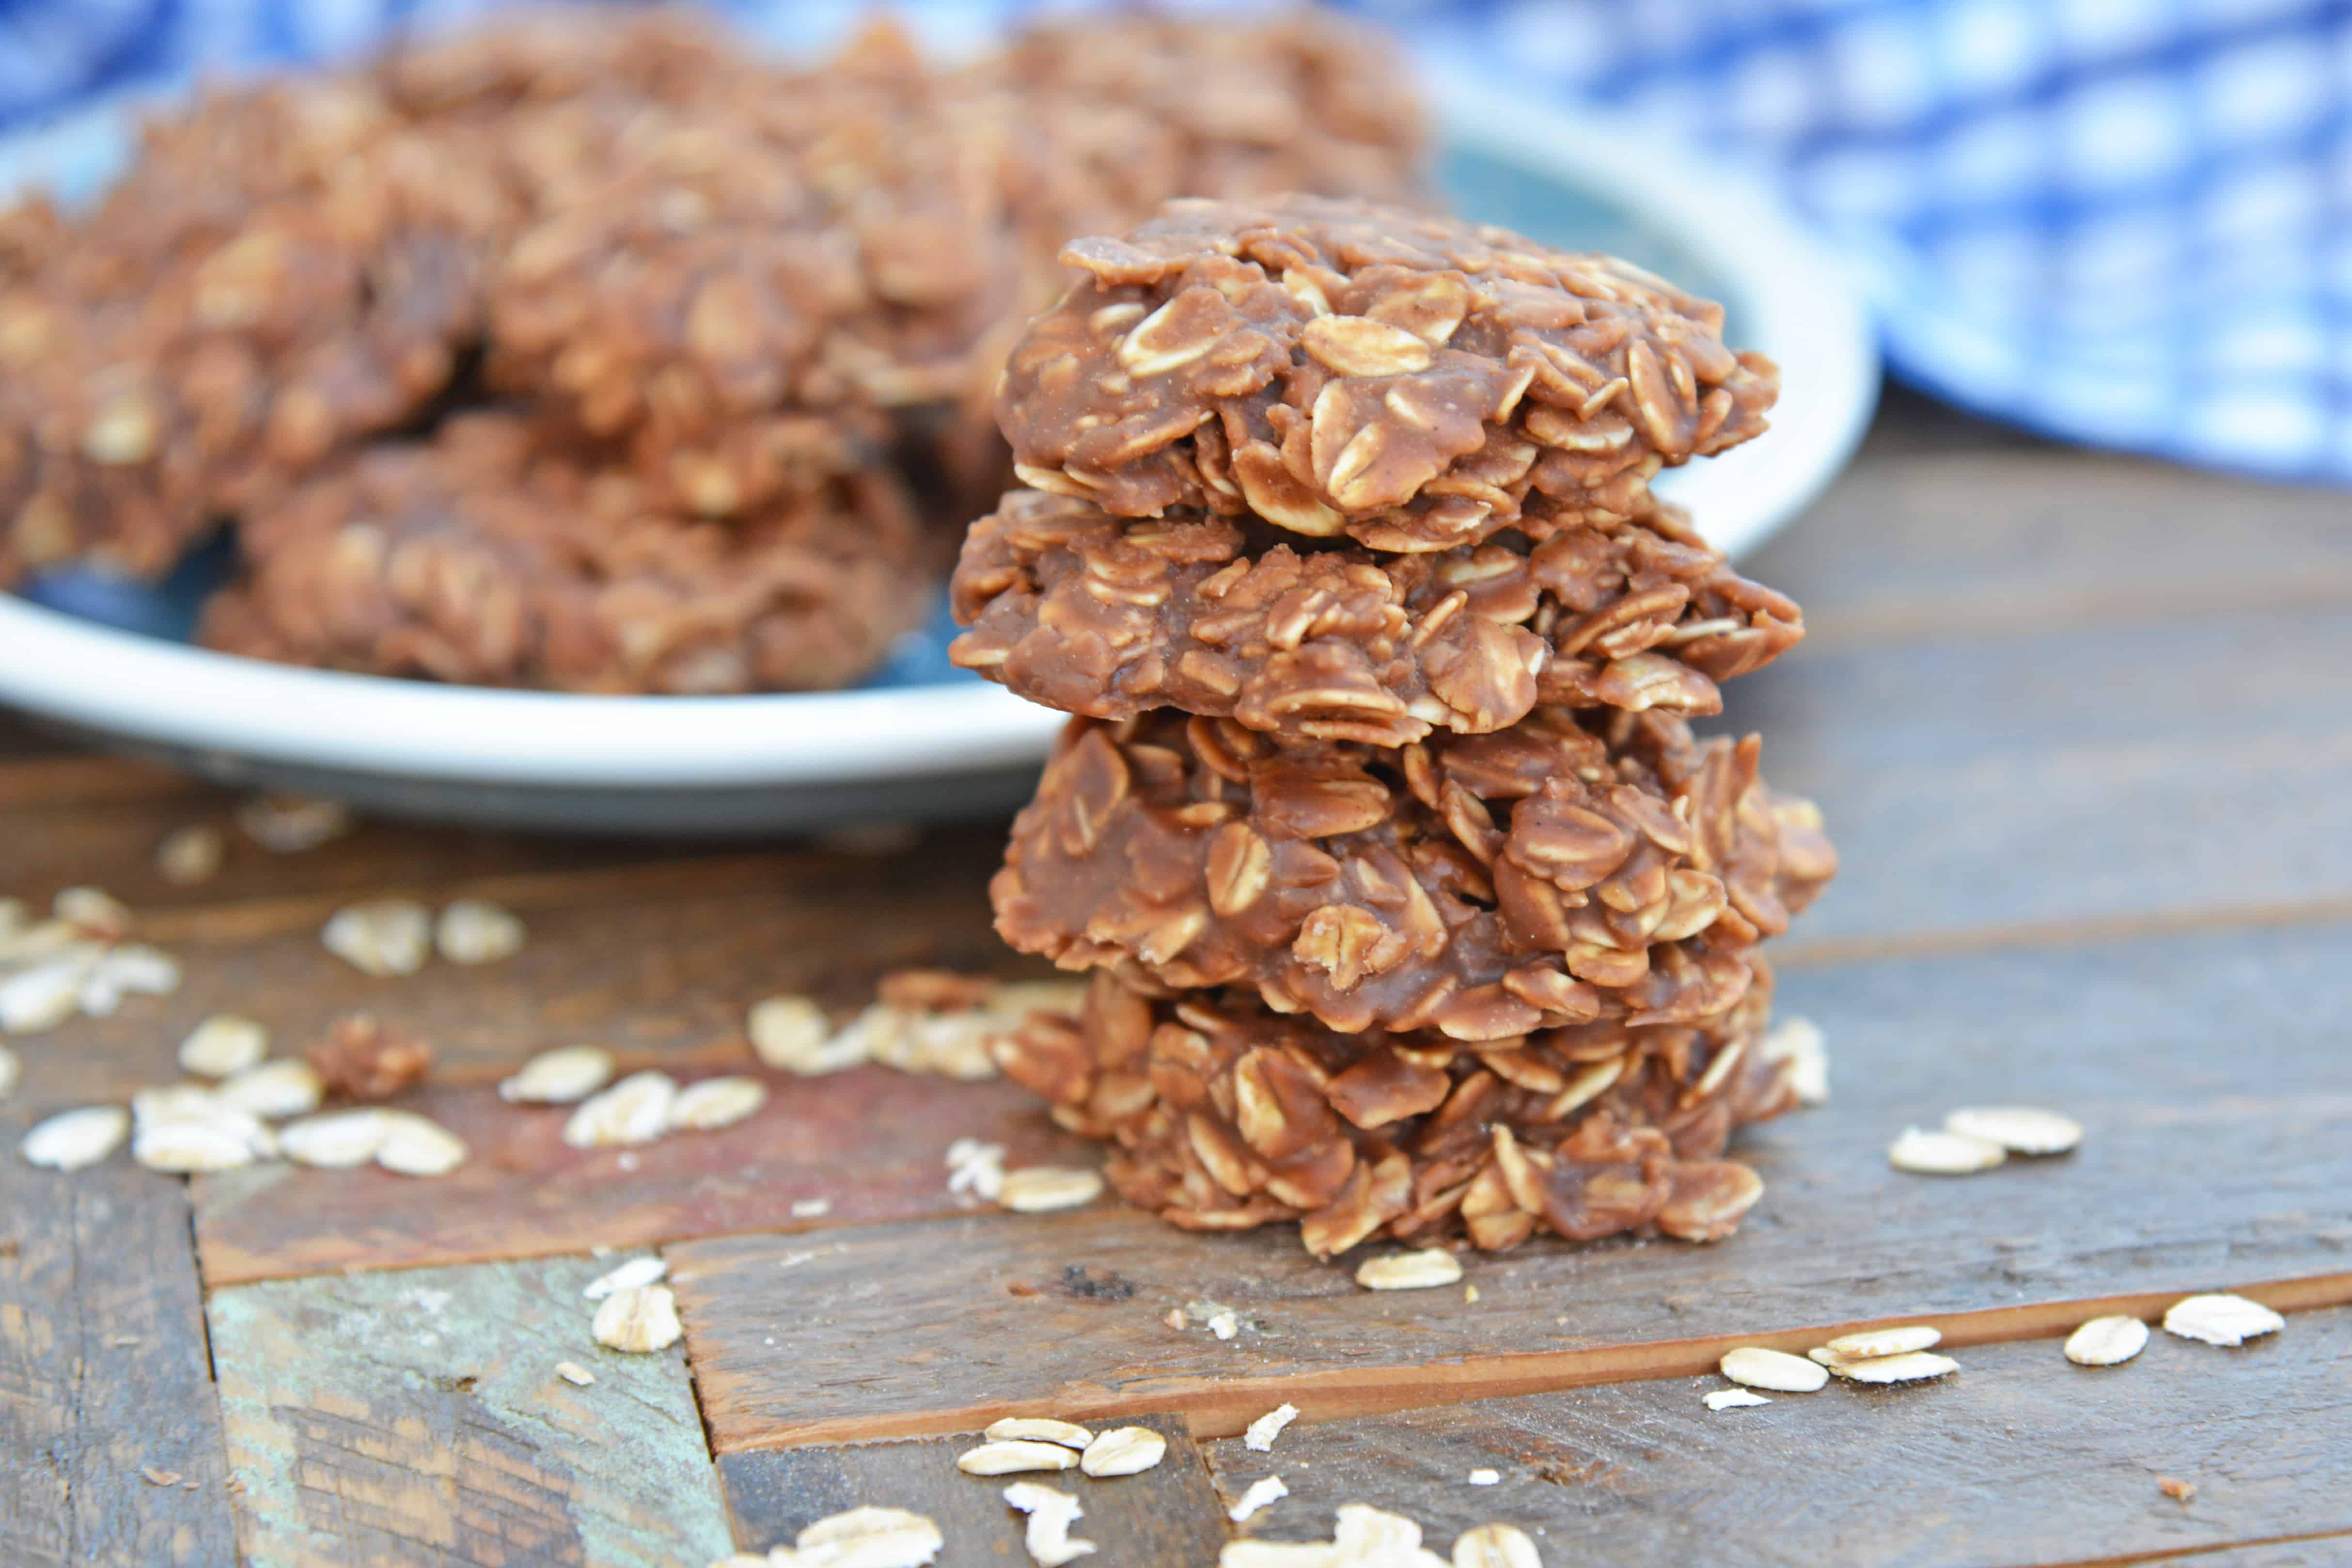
(1796, 953)
(1224, 1406)
(2215, 1550)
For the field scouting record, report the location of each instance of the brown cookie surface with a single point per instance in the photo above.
(1340, 367)
(1569, 869)
(1228, 1116)
(1111, 617)
(501, 556)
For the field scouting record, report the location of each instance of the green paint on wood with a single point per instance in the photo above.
(417, 1417)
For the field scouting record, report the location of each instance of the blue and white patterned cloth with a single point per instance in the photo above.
(2124, 221)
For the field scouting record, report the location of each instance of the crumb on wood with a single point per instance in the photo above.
(368, 1059)
(2179, 1490)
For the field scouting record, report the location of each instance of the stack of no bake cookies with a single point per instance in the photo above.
(1413, 902)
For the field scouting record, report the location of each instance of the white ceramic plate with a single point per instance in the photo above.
(923, 747)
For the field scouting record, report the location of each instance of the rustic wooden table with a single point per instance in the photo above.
(2083, 727)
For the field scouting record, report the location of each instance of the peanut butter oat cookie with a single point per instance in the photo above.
(1566, 870)
(1229, 1116)
(500, 556)
(1108, 617)
(1344, 368)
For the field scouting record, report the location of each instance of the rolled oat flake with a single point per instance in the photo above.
(1041, 1189)
(2019, 1128)
(1898, 1341)
(1912, 1367)
(868, 1538)
(2106, 1341)
(1420, 1270)
(1756, 1367)
(1013, 1459)
(2220, 1320)
(1943, 1153)
(1123, 1451)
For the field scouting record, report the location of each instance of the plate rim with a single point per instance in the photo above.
(1800, 304)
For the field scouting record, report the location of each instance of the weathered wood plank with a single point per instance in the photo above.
(1993, 541)
(2021, 1458)
(2209, 1071)
(659, 959)
(867, 1142)
(1166, 1515)
(90, 834)
(109, 1435)
(2015, 785)
(418, 1418)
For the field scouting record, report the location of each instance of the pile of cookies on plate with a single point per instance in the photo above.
(598, 351)
(1413, 904)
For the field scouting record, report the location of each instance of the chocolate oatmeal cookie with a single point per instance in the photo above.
(287, 271)
(1228, 1116)
(500, 556)
(1109, 617)
(1344, 368)
(1569, 870)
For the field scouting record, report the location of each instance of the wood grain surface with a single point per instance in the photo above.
(655, 960)
(1169, 1514)
(2210, 1072)
(109, 1433)
(869, 1144)
(416, 1418)
(2019, 1458)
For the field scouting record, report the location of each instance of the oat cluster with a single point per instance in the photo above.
(1415, 907)
(602, 352)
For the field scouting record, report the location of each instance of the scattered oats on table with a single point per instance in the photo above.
(415, 1145)
(11, 1069)
(2106, 1341)
(2019, 1128)
(1259, 1438)
(640, 1320)
(791, 1034)
(716, 1102)
(191, 855)
(1798, 1043)
(572, 1373)
(1496, 1546)
(1044, 1189)
(647, 1269)
(224, 1046)
(2180, 1492)
(289, 824)
(337, 1140)
(1261, 1493)
(381, 937)
(1913, 1366)
(475, 931)
(1735, 1398)
(1943, 1153)
(999, 1458)
(810, 1208)
(559, 1077)
(73, 1139)
(2220, 1320)
(865, 1537)
(634, 1110)
(1420, 1270)
(1898, 1340)
(1485, 1477)
(1038, 1429)
(1051, 1513)
(94, 912)
(1123, 1451)
(1756, 1367)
